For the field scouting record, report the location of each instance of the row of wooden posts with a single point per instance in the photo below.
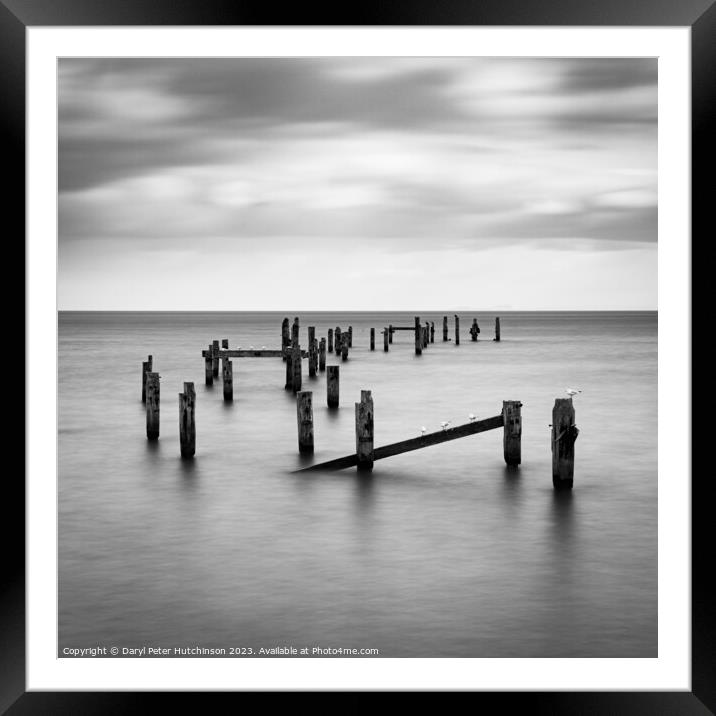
(187, 402)
(341, 341)
(563, 435)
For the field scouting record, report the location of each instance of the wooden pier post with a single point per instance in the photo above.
(304, 414)
(146, 368)
(322, 355)
(390, 333)
(418, 337)
(337, 340)
(227, 372)
(330, 340)
(474, 330)
(497, 329)
(364, 431)
(294, 332)
(312, 352)
(152, 406)
(512, 440)
(564, 433)
(332, 383)
(225, 343)
(457, 330)
(372, 339)
(187, 426)
(432, 331)
(215, 358)
(285, 337)
(289, 369)
(445, 329)
(209, 367)
(296, 367)
(344, 346)
(386, 338)
(350, 336)
(426, 334)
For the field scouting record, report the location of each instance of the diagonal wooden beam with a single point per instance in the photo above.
(441, 436)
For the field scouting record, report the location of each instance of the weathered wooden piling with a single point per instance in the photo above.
(386, 338)
(332, 386)
(322, 355)
(364, 431)
(426, 335)
(209, 367)
(285, 337)
(344, 347)
(497, 329)
(564, 433)
(187, 426)
(312, 352)
(432, 331)
(225, 343)
(445, 329)
(289, 369)
(372, 339)
(330, 340)
(296, 367)
(227, 372)
(294, 332)
(457, 330)
(146, 368)
(350, 336)
(215, 358)
(152, 406)
(337, 337)
(390, 333)
(474, 330)
(418, 337)
(304, 415)
(512, 439)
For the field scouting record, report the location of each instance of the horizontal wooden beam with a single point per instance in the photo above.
(423, 441)
(245, 353)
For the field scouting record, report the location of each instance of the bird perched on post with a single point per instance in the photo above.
(571, 392)
(444, 424)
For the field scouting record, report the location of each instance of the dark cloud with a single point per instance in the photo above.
(125, 117)
(607, 74)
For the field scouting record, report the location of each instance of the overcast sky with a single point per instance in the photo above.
(365, 183)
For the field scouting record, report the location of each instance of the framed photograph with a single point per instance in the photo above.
(421, 286)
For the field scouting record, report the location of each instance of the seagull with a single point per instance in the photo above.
(444, 424)
(263, 348)
(571, 392)
(422, 430)
(251, 348)
(472, 417)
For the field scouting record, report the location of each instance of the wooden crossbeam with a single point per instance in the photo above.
(441, 436)
(245, 353)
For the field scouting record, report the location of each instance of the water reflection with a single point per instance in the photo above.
(189, 472)
(511, 487)
(562, 525)
(364, 481)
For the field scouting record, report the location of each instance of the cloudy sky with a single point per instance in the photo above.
(377, 183)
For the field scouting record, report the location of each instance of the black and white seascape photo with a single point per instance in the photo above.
(357, 357)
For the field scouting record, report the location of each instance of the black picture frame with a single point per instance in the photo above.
(18, 15)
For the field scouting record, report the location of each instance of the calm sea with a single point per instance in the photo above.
(440, 552)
